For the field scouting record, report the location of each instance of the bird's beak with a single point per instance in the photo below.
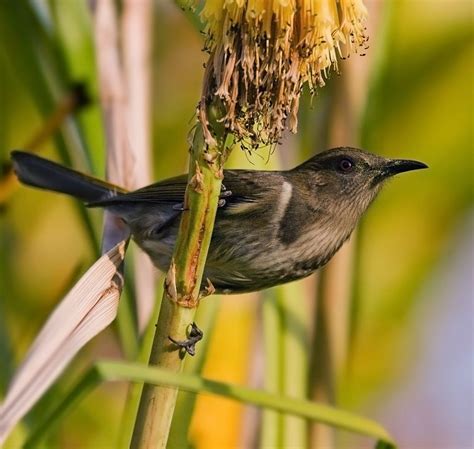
(396, 166)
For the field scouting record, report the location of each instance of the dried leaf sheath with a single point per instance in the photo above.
(87, 309)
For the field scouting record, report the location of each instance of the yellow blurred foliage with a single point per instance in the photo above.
(217, 422)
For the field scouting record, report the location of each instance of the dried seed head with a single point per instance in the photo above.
(262, 52)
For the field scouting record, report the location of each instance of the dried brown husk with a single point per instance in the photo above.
(262, 52)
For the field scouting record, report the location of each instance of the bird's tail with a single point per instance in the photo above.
(39, 172)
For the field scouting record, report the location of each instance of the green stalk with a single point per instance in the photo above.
(186, 402)
(271, 434)
(294, 363)
(183, 284)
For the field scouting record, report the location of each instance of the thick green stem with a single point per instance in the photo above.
(157, 403)
(182, 286)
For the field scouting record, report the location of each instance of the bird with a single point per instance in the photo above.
(271, 227)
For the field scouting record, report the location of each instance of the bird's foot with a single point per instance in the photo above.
(224, 191)
(224, 194)
(221, 203)
(180, 207)
(206, 290)
(189, 345)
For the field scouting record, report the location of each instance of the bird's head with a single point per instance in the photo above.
(347, 179)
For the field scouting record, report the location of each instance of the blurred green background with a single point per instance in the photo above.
(409, 359)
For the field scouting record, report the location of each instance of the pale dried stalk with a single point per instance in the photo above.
(113, 96)
(137, 19)
(113, 102)
(335, 282)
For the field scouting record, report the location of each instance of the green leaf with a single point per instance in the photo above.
(134, 372)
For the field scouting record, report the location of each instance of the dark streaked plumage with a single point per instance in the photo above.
(275, 226)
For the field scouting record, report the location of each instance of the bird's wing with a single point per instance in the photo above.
(242, 184)
(169, 191)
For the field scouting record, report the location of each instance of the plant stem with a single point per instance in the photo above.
(137, 26)
(186, 403)
(157, 403)
(183, 283)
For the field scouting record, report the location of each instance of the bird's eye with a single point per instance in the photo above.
(345, 165)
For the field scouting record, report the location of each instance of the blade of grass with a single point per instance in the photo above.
(121, 371)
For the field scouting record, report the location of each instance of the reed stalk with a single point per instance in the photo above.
(183, 282)
(137, 30)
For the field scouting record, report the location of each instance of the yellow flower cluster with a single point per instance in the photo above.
(262, 52)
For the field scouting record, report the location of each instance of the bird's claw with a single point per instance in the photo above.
(189, 345)
(179, 207)
(224, 194)
(221, 203)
